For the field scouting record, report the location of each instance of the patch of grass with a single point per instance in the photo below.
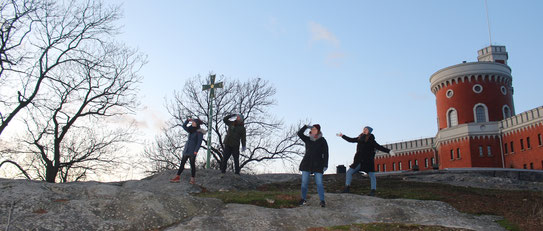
(385, 227)
(268, 199)
(508, 225)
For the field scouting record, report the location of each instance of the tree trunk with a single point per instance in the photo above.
(51, 172)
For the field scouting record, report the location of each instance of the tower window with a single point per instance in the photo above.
(512, 147)
(426, 162)
(458, 153)
(505, 148)
(503, 90)
(489, 150)
(410, 165)
(539, 138)
(480, 114)
(384, 167)
(452, 117)
(506, 112)
(528, 143)
(477, 88)
(481, 151)
(521, 144)
(531, 165)
(452, 154)
(400, 165)
(393, 166)
(449, 93)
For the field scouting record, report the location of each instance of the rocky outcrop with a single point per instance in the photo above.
(155, 203)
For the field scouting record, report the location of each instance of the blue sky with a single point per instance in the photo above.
(343, 64)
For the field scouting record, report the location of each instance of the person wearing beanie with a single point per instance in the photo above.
(364, 157)
(194, 141)
(315, 160)
(234, 135)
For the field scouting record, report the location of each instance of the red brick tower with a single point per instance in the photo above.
(471, 99)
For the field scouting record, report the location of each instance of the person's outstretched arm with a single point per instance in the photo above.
(379, 147)
(185, 127)
(227, 121)
(349, 139)
(304, 138)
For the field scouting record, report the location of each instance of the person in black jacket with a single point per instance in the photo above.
(195, 137)
(234, 135)
(315, 160)
(364, 157)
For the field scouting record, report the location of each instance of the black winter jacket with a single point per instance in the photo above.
(365, 152)
(235, 133)
(316, 153)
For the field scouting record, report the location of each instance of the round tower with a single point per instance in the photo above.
(474, 92)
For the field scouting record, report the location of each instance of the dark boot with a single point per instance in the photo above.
(372, 192)
(323, 204)
(345, 190)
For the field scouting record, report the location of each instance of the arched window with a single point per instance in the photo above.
(506, 111)
(481, 113)
(452, 118)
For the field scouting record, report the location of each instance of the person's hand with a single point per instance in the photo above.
(243, 149)
(195, 153)
(339, 134)
(392, 153)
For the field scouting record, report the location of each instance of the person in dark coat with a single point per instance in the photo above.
(364, 157)
(194, 141)
(315, 160)
(235, 135)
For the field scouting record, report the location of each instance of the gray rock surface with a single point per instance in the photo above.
(482, 179)
(154, 203)
(341, 209)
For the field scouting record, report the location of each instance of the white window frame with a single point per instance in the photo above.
(475, 112)
(449, 121)
(477, 85)
(449, 94)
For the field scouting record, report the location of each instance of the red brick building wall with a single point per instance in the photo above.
(418, 156)
(445, 149)
(485, 152)
(528, 155)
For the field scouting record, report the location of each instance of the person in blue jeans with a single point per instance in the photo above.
(364, 157)
(315, 160)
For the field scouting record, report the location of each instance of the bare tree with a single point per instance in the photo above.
(62, 129)
(41, 36)
(72, 77)
(267, 139)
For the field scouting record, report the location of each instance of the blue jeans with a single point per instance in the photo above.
(318, 180)
(351, 171)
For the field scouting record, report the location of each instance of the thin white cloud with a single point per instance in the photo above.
(321, 33)
(335, 58)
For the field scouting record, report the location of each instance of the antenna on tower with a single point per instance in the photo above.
(488, 22)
